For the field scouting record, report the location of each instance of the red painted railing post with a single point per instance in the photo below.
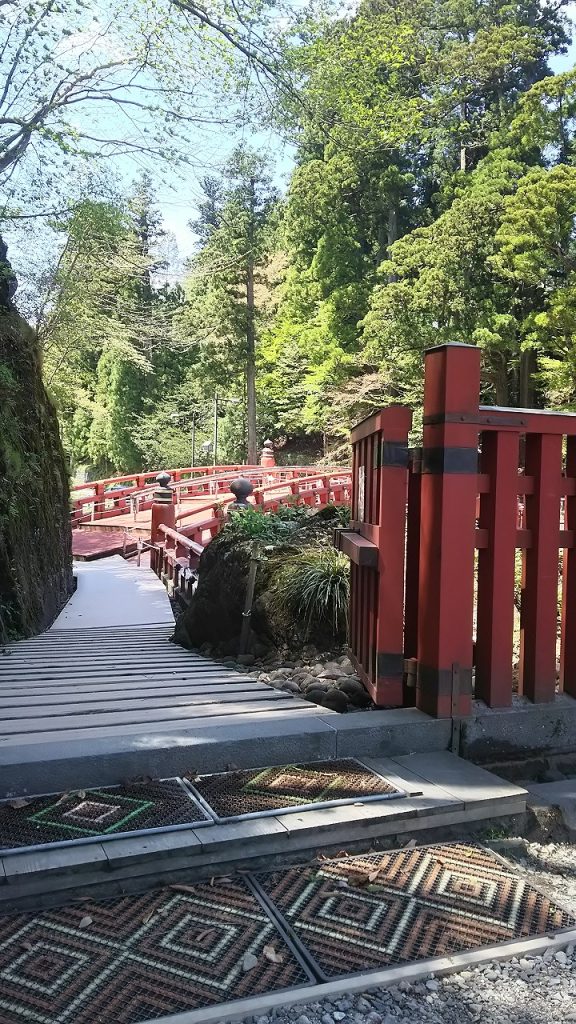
(447, 530)
(538, 616)
(379, 486)
(163, 510)
(568, 647)
(412, 553)
(496, 562)
(389, 498)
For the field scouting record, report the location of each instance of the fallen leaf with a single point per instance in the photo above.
(61, 799)
(271, 955)
(357, 881)
(373, 875)
(148, 916)
(85, 922)
(249, 962)
(27, 945)
(17, 804)
(212, 880)
(410, 845)
(81, 794)
(202, 936)
(183, 888)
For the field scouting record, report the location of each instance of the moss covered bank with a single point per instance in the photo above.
(35, 542)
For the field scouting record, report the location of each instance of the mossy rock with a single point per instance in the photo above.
(214, 614)
(35, 533)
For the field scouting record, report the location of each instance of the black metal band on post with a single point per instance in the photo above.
(389, 664)
(450, 460)
(392, 453)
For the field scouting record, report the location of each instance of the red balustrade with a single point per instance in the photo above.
(103, 499)
(183, 546)
(488, 483)
(375, 544)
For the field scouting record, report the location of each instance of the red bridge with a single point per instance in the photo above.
(115, 515)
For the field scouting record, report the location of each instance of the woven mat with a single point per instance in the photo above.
(91, 813)
(134, 959)
(291, 787)
(368, 912)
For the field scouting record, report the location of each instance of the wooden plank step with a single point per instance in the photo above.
(50, 694)
(145, 703)
(216, 717)
(119, 718)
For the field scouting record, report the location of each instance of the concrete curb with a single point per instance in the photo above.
(385, 978)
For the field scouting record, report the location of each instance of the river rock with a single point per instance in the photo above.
(335, 700)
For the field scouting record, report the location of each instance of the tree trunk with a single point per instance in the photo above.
(499, 375)
(463, 115)
(252, 452)
(526, 381)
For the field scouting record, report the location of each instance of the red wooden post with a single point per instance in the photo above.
(495, 615)
(538, 616)
(447, 530)
(412, 554)
(387, 493)
(568, 648)
(163, 510)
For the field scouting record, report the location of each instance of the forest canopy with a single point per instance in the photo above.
(433, 199)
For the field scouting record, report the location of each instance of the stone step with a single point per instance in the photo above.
(104, 756)
(442, 791)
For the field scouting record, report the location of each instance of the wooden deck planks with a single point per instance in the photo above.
(82, 682)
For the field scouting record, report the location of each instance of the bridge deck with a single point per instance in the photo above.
(105, 680)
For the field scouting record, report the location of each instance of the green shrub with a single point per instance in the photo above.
(314, 588)
(267, 527)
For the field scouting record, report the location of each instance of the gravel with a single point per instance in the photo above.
(525, 990)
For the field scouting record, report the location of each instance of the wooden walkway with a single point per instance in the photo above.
(103, 695)
(74, 683)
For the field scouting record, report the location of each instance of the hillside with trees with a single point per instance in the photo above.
(432, 199)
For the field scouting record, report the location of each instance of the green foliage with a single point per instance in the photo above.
(227, 287)
(86, 81)
(107, 331)
(426, 132)
(270, 528)
(314, 588)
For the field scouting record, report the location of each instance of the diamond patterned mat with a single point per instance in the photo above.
(142, 957)
(97, 813)
(368, 912)
(293, 787)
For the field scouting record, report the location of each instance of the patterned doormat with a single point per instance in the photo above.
(142, 957)
(258, 792)
(97, 814)
(364, 913)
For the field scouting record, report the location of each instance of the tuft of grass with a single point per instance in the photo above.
(314, 588)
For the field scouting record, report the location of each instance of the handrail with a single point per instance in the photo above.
(152, 474)
(106, 504)
(94, 485)
(168, 561)
(181, 540)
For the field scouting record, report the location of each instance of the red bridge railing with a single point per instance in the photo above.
(181, 547)
(488, 482)
(104, 499)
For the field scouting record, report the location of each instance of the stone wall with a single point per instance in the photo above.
(35, 539)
